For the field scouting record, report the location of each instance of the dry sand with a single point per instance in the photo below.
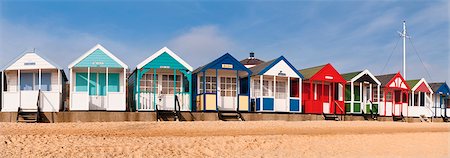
(226, 139)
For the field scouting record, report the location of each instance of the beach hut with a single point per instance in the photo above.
(32, 83)
(275, 86)
(97, 81)
(218, 85)
(251, 61)
(420, 99)
(323, 90)
(158, 81)
(393, 95)
(361, 92)
(441, 105)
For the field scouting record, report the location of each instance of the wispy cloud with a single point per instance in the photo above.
(201, 44)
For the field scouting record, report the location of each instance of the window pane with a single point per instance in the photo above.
(102, 84)
(26, 81)
(93, 84)
(46, 81)
(114, 82)
(81, 82)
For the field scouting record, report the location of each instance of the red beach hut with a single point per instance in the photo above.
(323, 90)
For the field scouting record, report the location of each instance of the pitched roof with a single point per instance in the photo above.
(226, 57)
(258, 68)
(436, 86)
(310, 72)
(264, 67)
(349, 76)
(412, 82)
(251, 61)
(384, 79)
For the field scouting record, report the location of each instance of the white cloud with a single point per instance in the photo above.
(201, 44)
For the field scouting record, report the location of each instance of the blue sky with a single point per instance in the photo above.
(352, 35)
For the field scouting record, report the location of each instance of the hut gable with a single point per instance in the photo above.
(226, 62)
(98, 56)
(276, 67)
(420, 85)
(165, 58)
(30, 61)
(393, 81)
(361, 76)
(323, 73)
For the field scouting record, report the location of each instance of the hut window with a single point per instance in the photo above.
(422, 98)
(26, 81)
(81, 82)
(30, 81)
(168, 82)
(281, 90)
(46, 83)
(357, 93)
(228, 86)
(295, 87)
(375, 95)
(389, 96)
(211, 83)
(256, 88)
(148, 83)
(113, 82)
(267, 89)
(397, 96)
(348, 92)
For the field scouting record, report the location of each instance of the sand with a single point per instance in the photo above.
(226, 139)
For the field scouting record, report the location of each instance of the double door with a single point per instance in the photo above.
(97, 91)
(227, 93)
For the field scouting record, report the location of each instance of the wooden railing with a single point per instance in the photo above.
(340, 109)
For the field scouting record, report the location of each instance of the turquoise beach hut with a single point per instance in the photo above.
(160, 81)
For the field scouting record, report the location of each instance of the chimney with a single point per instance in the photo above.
(252, 55)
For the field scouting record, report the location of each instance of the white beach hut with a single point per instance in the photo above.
(31, 78)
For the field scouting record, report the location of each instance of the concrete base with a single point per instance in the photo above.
(103, 116)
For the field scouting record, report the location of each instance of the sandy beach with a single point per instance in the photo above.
(225, 139)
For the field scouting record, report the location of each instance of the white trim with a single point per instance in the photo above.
(161, 51)
(420, 82)
(364, 73)
(104, 50)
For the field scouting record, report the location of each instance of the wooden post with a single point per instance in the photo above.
(288, 94)
(352, 96)
(204, 90)
(237, 89)
(88, 83)
(300, 95)
(261, 100)
(18, 88)
(174, 88)
(71, 88)
(107, 88)
(2, 90)
(155, 91)
(40, 79)
(274, 85)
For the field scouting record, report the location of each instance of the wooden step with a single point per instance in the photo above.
(230, 116)
(331, 117)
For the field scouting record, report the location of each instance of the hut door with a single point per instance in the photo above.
(397, 102)
(326, 98)
(97, 91)
(227, 99)
(167, 92)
